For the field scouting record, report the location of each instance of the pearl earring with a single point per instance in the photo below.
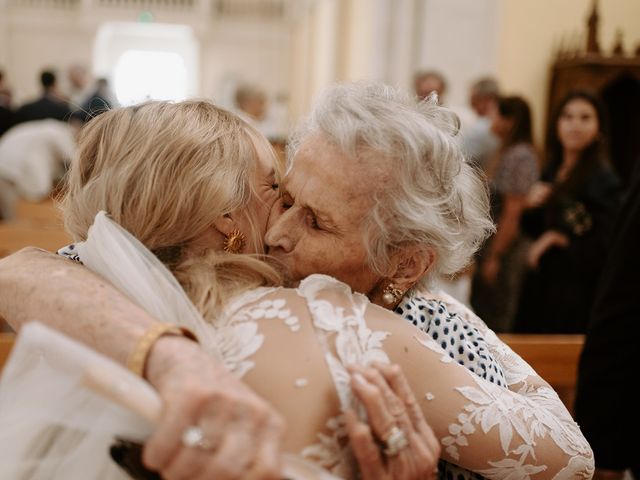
(391, 295)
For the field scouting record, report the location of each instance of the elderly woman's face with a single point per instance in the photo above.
(317, 227)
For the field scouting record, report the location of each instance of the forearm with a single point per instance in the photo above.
(37, 285)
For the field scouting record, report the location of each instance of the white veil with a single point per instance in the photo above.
(52, 426)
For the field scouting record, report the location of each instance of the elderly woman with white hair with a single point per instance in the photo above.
(380, 196)
(367, 147)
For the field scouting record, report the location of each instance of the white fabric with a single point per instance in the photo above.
(33, 154)
(51, 426)
(119, 257)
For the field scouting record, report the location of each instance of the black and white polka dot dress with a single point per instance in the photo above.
(462, 342)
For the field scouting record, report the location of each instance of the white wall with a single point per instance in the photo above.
(460, 39)
(33, 38)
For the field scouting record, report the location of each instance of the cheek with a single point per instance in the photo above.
(563, 128)
(591, 131)
(344, 261)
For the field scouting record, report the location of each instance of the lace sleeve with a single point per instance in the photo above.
(499, 433)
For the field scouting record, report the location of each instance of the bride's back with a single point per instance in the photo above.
(292, 346)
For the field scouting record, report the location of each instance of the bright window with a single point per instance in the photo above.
(141, 75)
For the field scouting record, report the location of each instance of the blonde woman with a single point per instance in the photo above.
(138, 164)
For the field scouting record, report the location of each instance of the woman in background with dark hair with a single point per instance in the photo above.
(511, 174)
(569, 218)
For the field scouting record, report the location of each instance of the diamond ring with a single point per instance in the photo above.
(396, 441)
(193, 437)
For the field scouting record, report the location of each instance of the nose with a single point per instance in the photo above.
(284, 230)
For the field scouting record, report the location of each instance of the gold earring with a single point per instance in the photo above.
(391, 295)
(234, 242)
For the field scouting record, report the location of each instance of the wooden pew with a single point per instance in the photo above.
(14, 236)
(554, 357)
(44, 213)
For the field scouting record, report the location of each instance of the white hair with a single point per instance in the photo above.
(433, 197)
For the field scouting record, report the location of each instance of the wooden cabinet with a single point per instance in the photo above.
(617, 81)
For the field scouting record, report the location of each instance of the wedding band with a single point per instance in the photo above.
(395, 442)
(193, 437)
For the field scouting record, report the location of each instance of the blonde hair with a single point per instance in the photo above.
(165, 172)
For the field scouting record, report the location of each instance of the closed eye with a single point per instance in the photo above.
(313, 221)
(286, 201)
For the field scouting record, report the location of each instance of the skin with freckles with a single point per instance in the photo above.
(318, 226)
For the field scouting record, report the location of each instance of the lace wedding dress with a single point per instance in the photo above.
(291, 347)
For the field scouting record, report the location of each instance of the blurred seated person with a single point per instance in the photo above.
(50, 105)
(478, 140)
(33, 155)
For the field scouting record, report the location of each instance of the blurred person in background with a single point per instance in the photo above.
(50, 105)
(6, 112)
(33, 156)
(478, 140)
(570, 215)
(430, 81)
(78, 89)
(97, 102)
(511, 174)
(251, 103)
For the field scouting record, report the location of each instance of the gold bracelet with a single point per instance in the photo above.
(137, 360)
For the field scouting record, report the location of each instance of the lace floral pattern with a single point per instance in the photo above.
(490, 409)
(522, 421)
(346, 340)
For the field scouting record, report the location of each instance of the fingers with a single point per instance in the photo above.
(164, 445)
(267, 464)
(364, 448)
(390, 402)
(380, 419)
(399, 384)
(242, 434)
(233, 458)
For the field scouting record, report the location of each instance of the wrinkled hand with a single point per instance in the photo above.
(389, 401)
(542, 245)
(242, 431)
(538, 194)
